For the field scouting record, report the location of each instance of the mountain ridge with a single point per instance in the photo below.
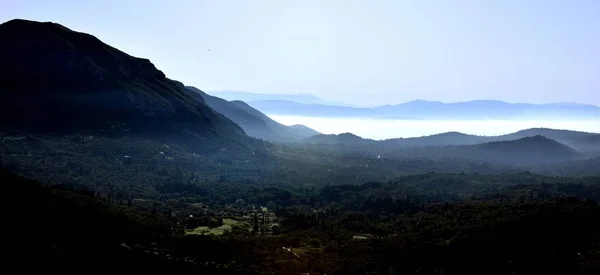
(421, 109)
(253, 122)
(581, 141)
(531, 150)
(58, 79)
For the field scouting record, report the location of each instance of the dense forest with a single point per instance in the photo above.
(538, 225)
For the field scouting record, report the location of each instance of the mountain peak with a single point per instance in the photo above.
(348, 134)
(59, 79)
(18, 22)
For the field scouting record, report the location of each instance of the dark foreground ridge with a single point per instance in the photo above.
(56, 79)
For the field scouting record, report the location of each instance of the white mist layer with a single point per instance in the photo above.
(385, 129)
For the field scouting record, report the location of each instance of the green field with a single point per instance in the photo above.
(228, 224)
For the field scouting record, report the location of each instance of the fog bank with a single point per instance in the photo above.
(384, 129)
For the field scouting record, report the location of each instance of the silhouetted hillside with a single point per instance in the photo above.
(528, 150)
(450, 138)
(585, 143)
(254, 123)
(582, 141)
(344, 139)
(288, 132)
(56, 79)
(524, 151)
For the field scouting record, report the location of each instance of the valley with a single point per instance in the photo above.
(107, 164)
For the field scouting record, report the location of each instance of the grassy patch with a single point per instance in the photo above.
(205, 230)
(228, 224)
(200, 230)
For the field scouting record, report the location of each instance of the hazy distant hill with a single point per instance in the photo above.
(420, 109)
(305, 131)
(581, 141)
(527, 150)
(295, 132)
(254, 123)
(449, 138)
(298, 98)
(345, 139)
(56, 79)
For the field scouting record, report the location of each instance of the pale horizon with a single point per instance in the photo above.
(379, 129)
(216, 93)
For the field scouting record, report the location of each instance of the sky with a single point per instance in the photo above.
(361, 52)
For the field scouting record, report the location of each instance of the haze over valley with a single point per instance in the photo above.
(389, 128)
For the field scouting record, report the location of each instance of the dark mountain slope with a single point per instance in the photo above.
(582, 141)
(295, 132)
(341, 139)
(449, 138)
(254, 123)
(56, 79)
(304, 131)
(524, 151)
(528, 150)
(443, 139)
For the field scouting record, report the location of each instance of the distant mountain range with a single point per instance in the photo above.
(420, 109)
(527, 150)
(531, 146)
(581, 141)
(302, 98)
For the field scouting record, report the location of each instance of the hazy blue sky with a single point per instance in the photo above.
(363, 52)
